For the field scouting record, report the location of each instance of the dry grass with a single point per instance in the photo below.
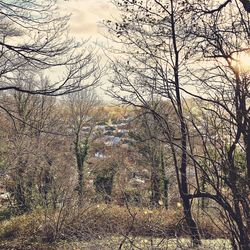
(145, 243)
(99, 225)
(101, 220)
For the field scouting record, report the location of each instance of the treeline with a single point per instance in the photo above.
(180, 66)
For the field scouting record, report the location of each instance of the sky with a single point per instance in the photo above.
(86, 17)
(86, 14)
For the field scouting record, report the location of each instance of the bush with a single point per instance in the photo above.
(96, 222)
(5, 214)
(209, 229)
(102, 220)
(23, 226)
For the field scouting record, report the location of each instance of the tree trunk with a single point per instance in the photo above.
(155, 185)
(247, 142)
(183, 188)
(81, 152)
(164, 181)
(80, 186)
(193, 228)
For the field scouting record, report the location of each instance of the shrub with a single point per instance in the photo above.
(22, 226)
(96, 222)
(102, 220)
(5, 214)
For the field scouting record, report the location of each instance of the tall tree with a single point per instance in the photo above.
(82, 117)
(223, 74)
(156, 40)
(152, 152)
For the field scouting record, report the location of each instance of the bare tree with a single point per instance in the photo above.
(245, 4)
(34, 40)
(82, 117)
(224, 121)
(157, 47)
(217, 43)
(150, 150)
(37, 57)
(32, 150)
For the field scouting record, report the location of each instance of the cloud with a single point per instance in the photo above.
(86, 14)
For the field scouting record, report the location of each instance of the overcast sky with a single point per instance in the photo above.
(86, 14)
